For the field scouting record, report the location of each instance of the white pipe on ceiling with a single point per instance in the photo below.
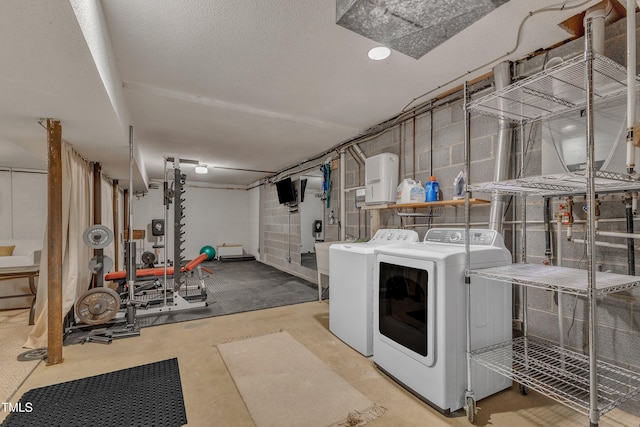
(343, 198)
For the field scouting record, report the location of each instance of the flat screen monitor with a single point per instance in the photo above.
(286, 191)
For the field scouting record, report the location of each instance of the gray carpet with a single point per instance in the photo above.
(235, 287)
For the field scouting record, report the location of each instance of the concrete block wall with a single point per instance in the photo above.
(280, 243)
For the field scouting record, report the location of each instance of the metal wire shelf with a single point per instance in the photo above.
(430, 212)
(552, 91)
(561, 184)
(561, 279)
(558, 373)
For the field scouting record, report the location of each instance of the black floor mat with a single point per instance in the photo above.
(147, 395)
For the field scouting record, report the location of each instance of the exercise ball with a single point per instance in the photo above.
(210, 251)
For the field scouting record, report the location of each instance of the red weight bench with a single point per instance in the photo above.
(147, 273)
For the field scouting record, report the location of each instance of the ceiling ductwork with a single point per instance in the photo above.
(412, 27)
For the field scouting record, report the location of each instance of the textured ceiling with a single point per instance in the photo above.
(244, 86)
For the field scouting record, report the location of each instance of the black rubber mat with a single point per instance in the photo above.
(147, 395)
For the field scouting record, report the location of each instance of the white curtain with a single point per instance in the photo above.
(76, 217)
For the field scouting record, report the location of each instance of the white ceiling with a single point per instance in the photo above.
(240, 84)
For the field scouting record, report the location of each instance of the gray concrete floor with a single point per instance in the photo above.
(212, 399)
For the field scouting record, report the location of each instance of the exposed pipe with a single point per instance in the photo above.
(560, 298)
(631, 84)
(568, 218)
(547, 231)
(343, 198)
(359, 153)
(631, 253)
(502, 77)
(618, 234)
(598, 13)
(413, 171)
(354, 156)
(606, 244)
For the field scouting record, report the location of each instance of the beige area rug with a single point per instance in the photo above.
(284, 384)
(14, 329)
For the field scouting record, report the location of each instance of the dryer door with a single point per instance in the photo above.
(405, 305)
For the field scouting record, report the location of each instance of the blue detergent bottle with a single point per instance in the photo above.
(431, 188)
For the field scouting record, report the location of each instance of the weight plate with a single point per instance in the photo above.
(148, 258)
(98, 305)
(97, 236)
(35, 354)
(107, 264)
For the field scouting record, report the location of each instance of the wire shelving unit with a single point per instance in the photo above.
(583, 382)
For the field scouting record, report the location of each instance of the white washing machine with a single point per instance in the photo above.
(419, 334)
(351, 285)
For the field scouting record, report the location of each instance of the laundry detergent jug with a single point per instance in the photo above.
(431, 188)
(410, 191)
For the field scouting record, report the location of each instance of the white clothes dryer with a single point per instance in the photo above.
(420, 315)
(351, 285)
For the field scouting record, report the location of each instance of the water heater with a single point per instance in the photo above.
(563, 139)
(381, 179)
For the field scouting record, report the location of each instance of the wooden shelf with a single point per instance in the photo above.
(425, 204)
(424, 209)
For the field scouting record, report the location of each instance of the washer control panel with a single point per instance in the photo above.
(395, 235)
(457, 235)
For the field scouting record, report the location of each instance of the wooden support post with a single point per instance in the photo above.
(54, 242)
(116, 240)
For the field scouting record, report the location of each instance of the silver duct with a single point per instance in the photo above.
(412, 27)
(502, 77)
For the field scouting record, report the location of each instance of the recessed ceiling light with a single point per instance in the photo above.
(379, 53)
(202, 169)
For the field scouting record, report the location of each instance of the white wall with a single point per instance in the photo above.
(23, 204)
(212, 217)
(23, 214)
(254, 223)
(311, 209)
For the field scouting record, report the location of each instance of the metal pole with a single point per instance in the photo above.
(165, 205)
(523, 233)
(594, 412)
(116, 212)
(289, 235)
(97, 279)
(131, 245)
(560, 294)
(467, 219)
